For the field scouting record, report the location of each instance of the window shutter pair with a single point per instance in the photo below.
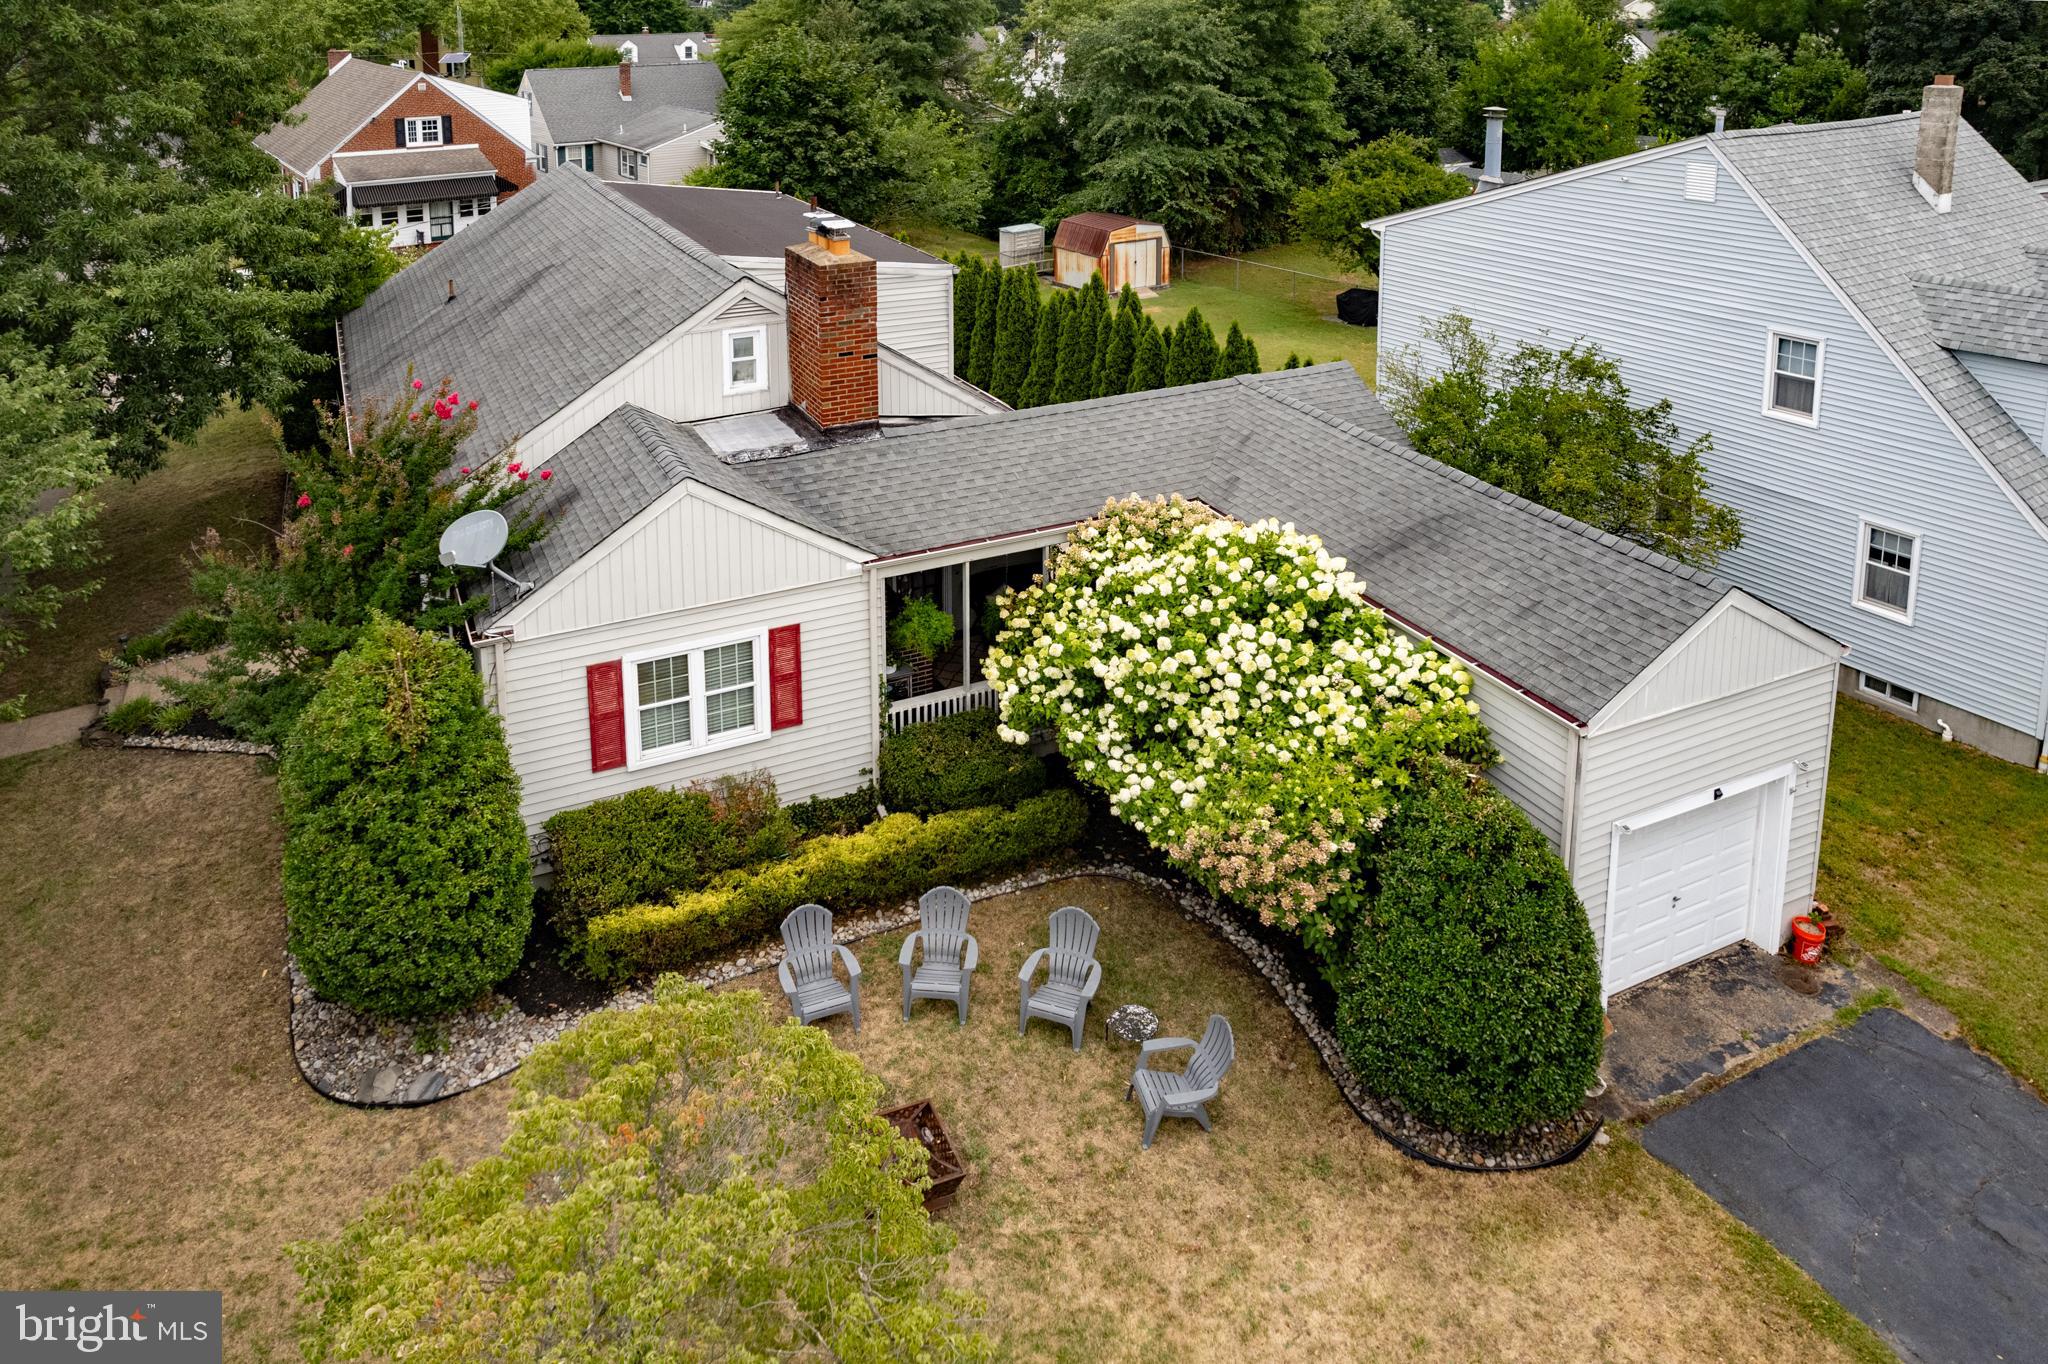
(605, 684)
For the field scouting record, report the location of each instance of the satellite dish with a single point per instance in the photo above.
(475, 540)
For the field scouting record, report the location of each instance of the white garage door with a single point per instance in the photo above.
(1683, 887)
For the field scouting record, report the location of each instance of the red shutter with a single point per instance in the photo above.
(785, 677)
(606, 685)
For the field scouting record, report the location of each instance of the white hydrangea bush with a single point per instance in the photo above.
(1235, 696)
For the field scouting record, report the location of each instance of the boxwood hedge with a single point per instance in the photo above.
(956, 763)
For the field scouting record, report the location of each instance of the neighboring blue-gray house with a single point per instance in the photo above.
(1858, 313)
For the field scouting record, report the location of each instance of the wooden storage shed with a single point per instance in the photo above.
(1125, 250)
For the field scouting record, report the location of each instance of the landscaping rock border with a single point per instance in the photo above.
(185, 743)
(355, 1059)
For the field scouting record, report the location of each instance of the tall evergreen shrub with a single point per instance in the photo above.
(1193, 357)
(1113, 374)
(406, 885)
(1016, 329)
(981, 360)
(1148, 366)
(1045, 353)
(1077, 352)
(1240, 356)
(966, 304)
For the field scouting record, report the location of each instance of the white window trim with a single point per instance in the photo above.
(412, 123)
(760, 335)
(1885, 698)
(1820, 366)
(700, 743)
(1863, 603)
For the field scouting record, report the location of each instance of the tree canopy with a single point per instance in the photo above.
(1396, 173)
(1388, 76)
(1570, 95)
(503, 73)
(1557, 427)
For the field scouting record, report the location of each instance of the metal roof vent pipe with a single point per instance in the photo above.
(1496, 119)
(1720, 113)
(1934, 158)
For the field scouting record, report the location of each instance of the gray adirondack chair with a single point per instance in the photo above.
(1072, 974)
(1183, 1094)
(942, 933)
(806, 968)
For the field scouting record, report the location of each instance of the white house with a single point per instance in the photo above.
(1858, 314)
(733, 527)
(638, 121)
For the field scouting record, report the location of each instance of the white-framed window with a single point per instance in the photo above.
(474, 208)
(1792, 378)
(1890, 692)
(631, 163)
(415, 213)
(1887, 570)
(688, 698)
(366, 218)
(746, 365)
(423, 132)
(582, 154)
(688, 51)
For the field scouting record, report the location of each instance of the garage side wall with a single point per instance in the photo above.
(1636, 768)
(1535, 748)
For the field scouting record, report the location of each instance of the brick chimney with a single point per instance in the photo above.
(625, 80)
(430, 52)
(834, 377)
(336, 56)
(1934, 160)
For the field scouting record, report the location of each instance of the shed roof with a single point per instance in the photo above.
(1563, 611)
(1088, 233)
(375, 168)
(583, 104)
(537, 317)
(752, 222)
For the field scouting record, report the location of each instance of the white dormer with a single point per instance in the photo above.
(629, 51)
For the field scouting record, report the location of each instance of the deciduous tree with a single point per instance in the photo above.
(1570, 95)
(1996, 49)
(1392, 175)
(1388, 77)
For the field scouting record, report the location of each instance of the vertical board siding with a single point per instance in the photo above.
(914, 305)
(2020, 386)
(541, 691)
(681, 377)
(688, 553)
(1535, 754)
(908, 389)
(1631, 770)
(1736, 651)
(1685, 294)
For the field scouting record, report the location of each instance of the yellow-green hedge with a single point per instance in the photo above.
(897, 857)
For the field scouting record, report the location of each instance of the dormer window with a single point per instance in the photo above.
(629, 52)
(687, 51)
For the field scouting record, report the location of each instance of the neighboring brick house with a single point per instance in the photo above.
(419, 155)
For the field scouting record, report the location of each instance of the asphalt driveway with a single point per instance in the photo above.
(1907, 1174)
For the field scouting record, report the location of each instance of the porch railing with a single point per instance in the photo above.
(938, 704)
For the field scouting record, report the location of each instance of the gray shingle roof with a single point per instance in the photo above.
(655, 49)
(1990, 319)
(372, 168)
(537, 317)
(332, 110)
(1845, 190)
(1561, 610)
(752, 222)
(582, 103)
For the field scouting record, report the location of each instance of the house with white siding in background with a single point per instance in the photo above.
(1858, 314)
(747, 483)
(638, 121)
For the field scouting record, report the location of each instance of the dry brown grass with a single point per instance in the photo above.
(1291, 1232)
(156, 1132)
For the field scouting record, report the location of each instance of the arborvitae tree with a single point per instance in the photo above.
(1293, 361)
(981, 361)
(1148, 366)
(1077, 351)
(966, 302)
(1113, 375)
(1128, 302)
(1045, 353)
(1240, 356)
(1193, 357)
(1016, 328)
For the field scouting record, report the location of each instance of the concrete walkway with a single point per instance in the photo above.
(51, 729)
(1906, 1173)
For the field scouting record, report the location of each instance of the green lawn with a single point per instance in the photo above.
(1279, 311)
(229, 479)
(1934, 857)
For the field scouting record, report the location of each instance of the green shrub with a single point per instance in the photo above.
(405, 862)
(132, 716)
(656, 842)
(836, 814)
(171, 719)
(1473, 990)
(921, 628)
(191, 631)
(956, 763)
(889, 860)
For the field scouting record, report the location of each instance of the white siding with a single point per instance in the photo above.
(680, 377)
(668, 163)
(911, 390)
(1734, 650)
(687, 551)
(913, 303)
(1636, 768)
(691, 567)
(2020, 386)
(1685, 294)
(1536, 754)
